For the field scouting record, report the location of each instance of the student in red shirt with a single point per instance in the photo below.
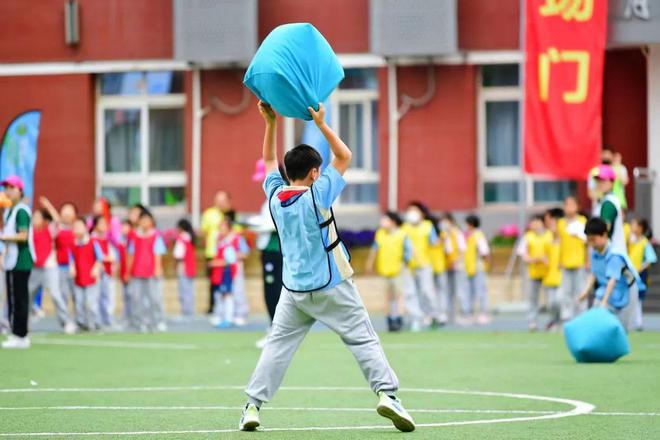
(64, 242)
(186, 267)
(44, 274)
(106, 287)
(224, 268)
(145, 250)
(86, 265)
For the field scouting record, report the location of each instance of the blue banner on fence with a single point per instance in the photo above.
(19, 149)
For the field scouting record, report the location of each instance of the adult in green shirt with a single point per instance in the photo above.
(17, 262)
(210, 224)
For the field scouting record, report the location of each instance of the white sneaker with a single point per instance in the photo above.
(240, 322)
(250, 418)
(161, 327)
(392, 409)
(415, 326)
(16, 343)
(70, 328)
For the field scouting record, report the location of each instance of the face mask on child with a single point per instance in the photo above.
(413, 217)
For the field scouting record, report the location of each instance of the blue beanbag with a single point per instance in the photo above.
(294, 68)
(596, 336)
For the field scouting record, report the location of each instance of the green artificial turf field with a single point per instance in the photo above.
(189, 386)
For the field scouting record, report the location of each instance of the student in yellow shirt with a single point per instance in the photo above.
(419, 292)
(209, 226)
(532, 251)
(642, 255)
(454, 260)
(477, 253)
(552, 279)
(439, 253)
(572, 256)
(389, 254)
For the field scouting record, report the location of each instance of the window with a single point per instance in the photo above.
(499, 138)
(140, 138)
(353, 114)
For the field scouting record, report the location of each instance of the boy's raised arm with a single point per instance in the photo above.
(269, 147)
(340, 150)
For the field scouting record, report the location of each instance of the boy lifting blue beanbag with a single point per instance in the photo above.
(293, 69)
(596, 336)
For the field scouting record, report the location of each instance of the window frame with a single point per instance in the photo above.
(365, 175)
(486, 94)
(144, 179)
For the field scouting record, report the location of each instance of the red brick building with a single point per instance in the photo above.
(126, 117)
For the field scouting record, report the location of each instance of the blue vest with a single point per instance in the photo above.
(620, 296)
(305, 241)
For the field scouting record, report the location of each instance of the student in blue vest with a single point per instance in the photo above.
(613, 276)
(316, 274)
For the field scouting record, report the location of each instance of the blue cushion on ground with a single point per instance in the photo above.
(596, 336)
(294, 68)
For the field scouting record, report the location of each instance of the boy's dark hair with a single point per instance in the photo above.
(147, 213)
(595, 226)
(45, 214)
(646, 229)
(538, 217)
(395, 217)
(80, 219)
(185, 225)
(449, 217)
(71, 204)
(299, 161)
(230, 215)
(555, 213)
(473, 221)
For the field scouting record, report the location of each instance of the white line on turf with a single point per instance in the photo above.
(113, 344)
(454, 346)
(579, 408)
(276, 408)
(304, 408)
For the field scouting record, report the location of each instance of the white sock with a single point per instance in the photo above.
(394, 308)
(228, 307)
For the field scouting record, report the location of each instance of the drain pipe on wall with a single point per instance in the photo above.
(199, 113)
(197, 116)
(395, 115)
(393, 150)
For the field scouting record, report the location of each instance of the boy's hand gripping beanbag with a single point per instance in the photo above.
(596, 336)
(294, 68)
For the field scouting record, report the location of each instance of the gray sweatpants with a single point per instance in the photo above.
(572, 283)
(419, 294)
(146, 303)
(106, 299)
(67, 291)
(445, 303)
(87, 298)
(533, 294)
(341, 309)
(455, 291)
(48, 279)
(476, 293)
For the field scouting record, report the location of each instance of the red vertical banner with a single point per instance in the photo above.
(564, 57)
